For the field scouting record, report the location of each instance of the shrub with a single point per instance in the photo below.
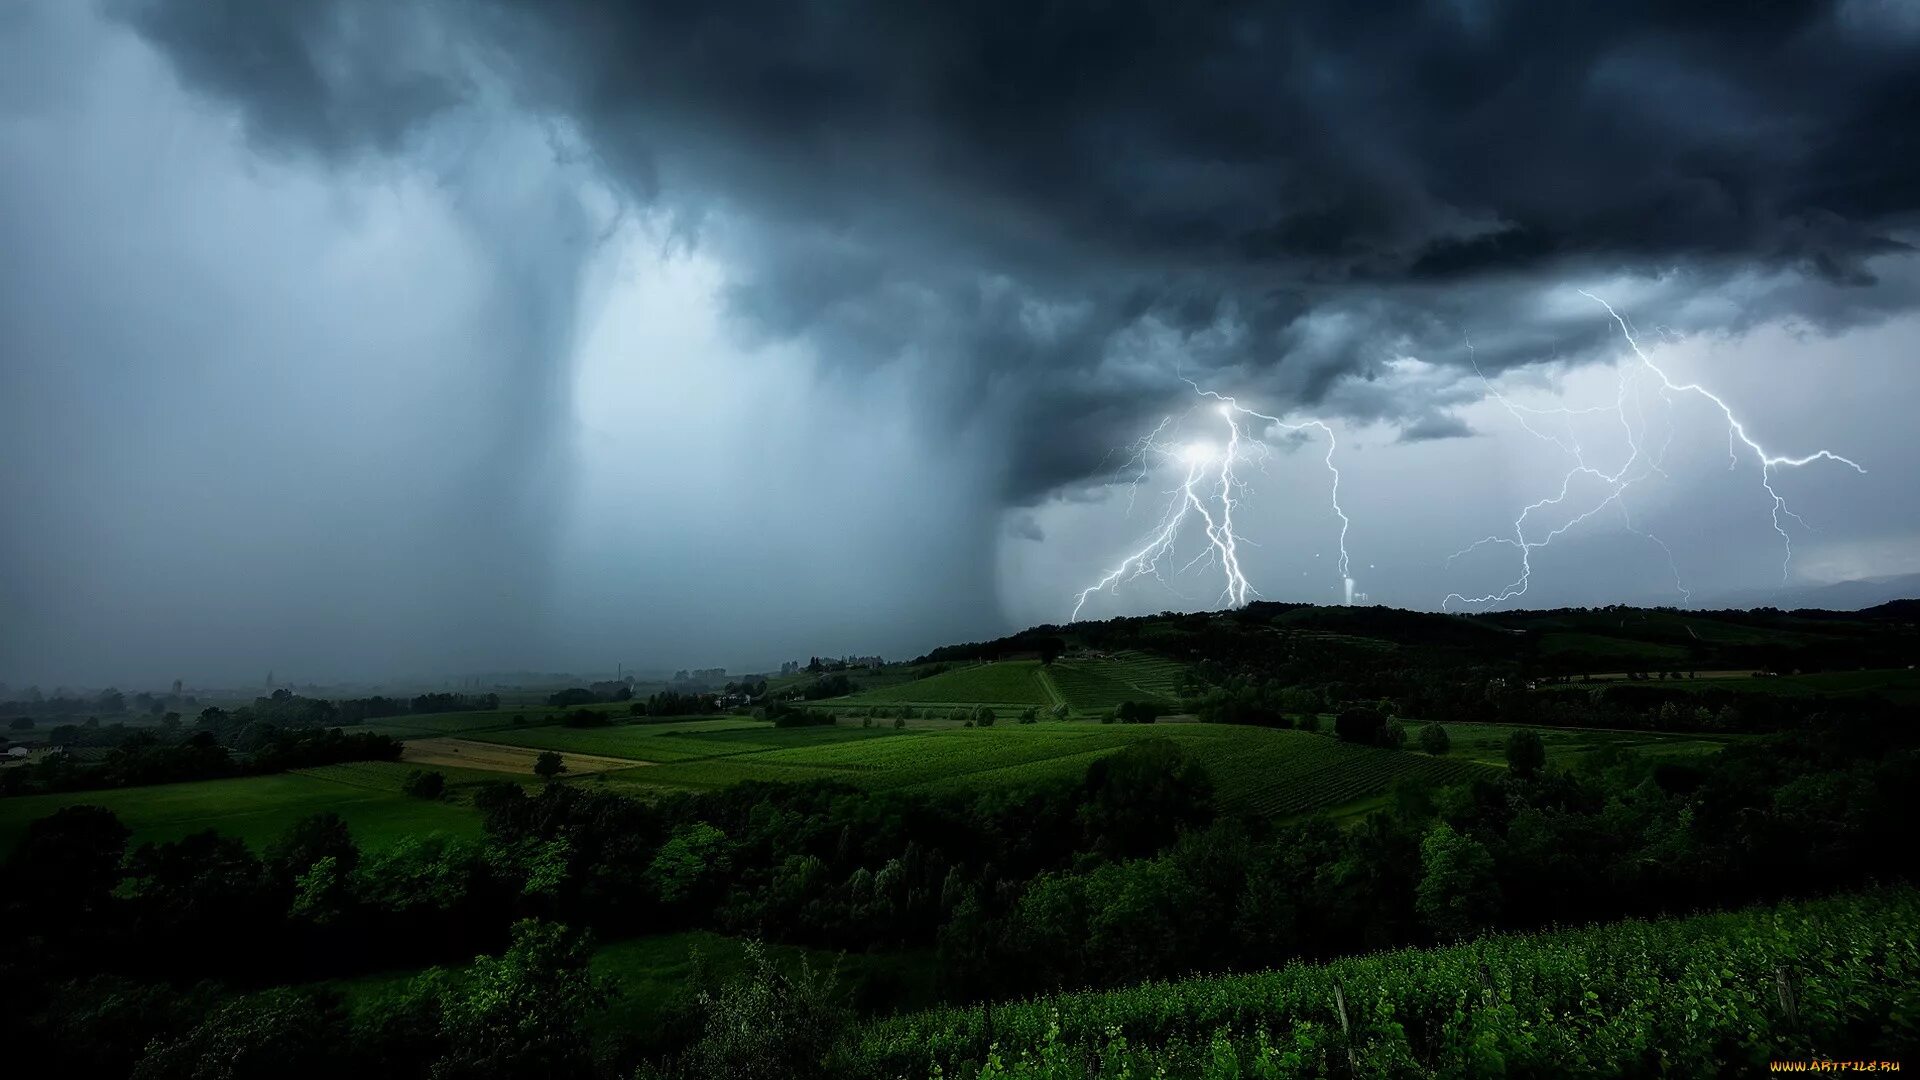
(1360, 725)
(424, 784)
(1435, 740)
(766, 1024)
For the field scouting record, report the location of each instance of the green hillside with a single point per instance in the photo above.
(1256, 770)
(1007, 682)
(1700, 996)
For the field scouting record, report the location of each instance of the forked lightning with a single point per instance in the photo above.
(1640, 464)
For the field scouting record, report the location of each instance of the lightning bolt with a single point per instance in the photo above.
(1216, 473)
(1637, 467)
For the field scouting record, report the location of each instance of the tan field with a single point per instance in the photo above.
(496, 758)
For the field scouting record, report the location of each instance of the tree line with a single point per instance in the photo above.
(1134, 874)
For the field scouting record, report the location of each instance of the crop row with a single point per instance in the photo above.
(1702, 996)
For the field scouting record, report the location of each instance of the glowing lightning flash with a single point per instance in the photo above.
(1191, 498)
(1638, 466)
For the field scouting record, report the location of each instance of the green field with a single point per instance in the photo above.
(1899, 685)
(422, 725)
(1096, 684)
(684, 740)
(1257, 770)
(1488, 742)
(1565, 643)
(1007, 682)
(259, 808)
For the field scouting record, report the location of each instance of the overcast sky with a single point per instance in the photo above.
(373, 338)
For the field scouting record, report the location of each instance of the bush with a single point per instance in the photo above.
(1435, 740)
(424, 784)
(1138, 712)
(982, 716)
(585, 718)
(899, 722)
(549, 765)
(766, 1024)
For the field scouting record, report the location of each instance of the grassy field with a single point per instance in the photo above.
(259, 808)
(417, 726)
(1255, 769)
(1085, 684)
(1899, 685)
(689, 740)
(471, 755)
(1487, 743)
(1008, 682)
(1574, 643)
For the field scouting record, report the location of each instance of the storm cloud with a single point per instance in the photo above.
(1036, 219)
(1013, 193)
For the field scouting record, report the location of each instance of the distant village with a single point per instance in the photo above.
(821, 665)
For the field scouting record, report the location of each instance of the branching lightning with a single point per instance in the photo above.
(1209, 492)
(1629, 406)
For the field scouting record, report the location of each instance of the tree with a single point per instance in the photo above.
(525, 1013)
(1138, 800)
(309, 840)
(982, 716)
(1526, 754)
(691, 863)
(548, 765)
(69, 862)
(1049, 649)
(1435, 740)
(1457, 893)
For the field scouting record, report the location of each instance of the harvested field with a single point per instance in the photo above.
(495, 757)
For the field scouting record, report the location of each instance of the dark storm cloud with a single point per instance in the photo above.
(1019, 197)
(1435, 426)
